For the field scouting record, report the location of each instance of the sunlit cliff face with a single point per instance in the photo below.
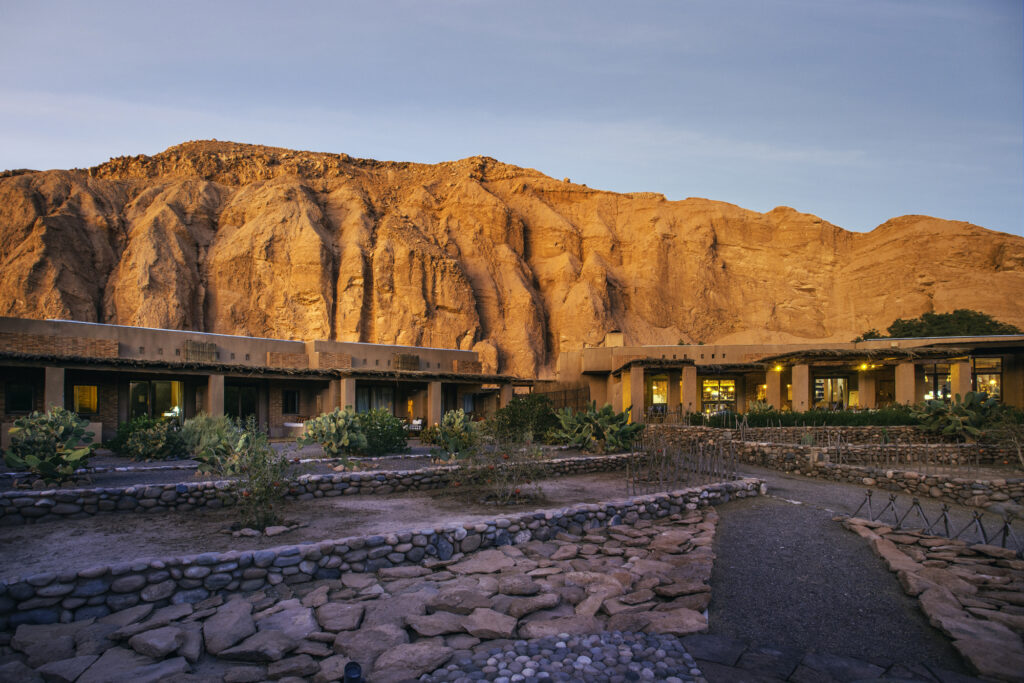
(472, 254)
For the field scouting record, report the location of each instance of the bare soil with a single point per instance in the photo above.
(110, 538)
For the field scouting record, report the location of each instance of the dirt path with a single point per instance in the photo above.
(113, 538)
(787, 576)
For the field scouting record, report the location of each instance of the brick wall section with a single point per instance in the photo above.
(469, 367)
(298, 361)
(335, 361)
(48, 345)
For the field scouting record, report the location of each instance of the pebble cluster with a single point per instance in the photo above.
(612, 657)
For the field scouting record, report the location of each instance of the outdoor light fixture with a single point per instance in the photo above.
(777, 368)
(863, 366)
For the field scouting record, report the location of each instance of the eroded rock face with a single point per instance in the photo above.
(472, 254)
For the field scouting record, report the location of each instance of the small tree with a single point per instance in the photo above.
(264, 477)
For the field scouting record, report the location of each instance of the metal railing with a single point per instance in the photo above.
(1000, 530)
(666, 466)
(925, 456)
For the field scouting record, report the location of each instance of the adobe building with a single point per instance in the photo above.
(674, 380)
(110, 374)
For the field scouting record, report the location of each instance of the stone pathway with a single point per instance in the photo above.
(972, 593)
(643, 584)
(790, 580)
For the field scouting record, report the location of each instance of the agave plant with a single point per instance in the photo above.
(593, 429)
(48, 444)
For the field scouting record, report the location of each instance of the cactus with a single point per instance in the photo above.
(455, 437)
(339, 433)
(47, 444)
(964, 419)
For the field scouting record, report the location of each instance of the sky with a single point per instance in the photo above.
(854, 110)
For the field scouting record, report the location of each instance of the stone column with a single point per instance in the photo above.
(214, 395)
(332, 397)
(615, 392)
(741, 394)
(690, 390)
(959, 378)
(801, 388)
(636, 393)
(505, 395)
(433, 403)
(867, 390)
(53, 388)
(773, 388)
(906, 383)
(675, 398)
(347, 393)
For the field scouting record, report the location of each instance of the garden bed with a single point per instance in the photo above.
(110, 566)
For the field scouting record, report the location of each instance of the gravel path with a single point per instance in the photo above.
(786, 575)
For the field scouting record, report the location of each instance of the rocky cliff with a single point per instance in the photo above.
(473, 254)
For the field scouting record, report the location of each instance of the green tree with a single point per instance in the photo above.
(959, 323)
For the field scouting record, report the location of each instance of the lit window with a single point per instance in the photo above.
(988, 376)
(718, 395)
(85, 399)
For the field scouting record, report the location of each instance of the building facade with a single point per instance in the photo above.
(110, 374)
(657, 380)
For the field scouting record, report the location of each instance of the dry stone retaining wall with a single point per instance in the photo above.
(808, 461)
(71, 596)
(27, 507)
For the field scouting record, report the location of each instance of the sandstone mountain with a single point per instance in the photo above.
(473, 254)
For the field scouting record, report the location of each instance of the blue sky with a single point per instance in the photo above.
(856, 111)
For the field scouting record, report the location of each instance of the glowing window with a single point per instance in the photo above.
(85, 399)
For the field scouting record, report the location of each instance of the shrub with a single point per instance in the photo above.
(505, 475)
(264, 477)
(339, 433)
(211, 441)
(525, 419)
(47, 444)
(126, 429)
(429, 435)
(384, 432)
(160, 441)
(456, 437)
(596, 430)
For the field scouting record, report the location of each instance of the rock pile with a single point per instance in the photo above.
(972, 593)
(537, 606)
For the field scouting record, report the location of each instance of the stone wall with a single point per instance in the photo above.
(27, 507)
(810, 461)
(852, 435)
(68, 596)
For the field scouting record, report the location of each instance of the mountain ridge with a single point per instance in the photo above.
(477, 254)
